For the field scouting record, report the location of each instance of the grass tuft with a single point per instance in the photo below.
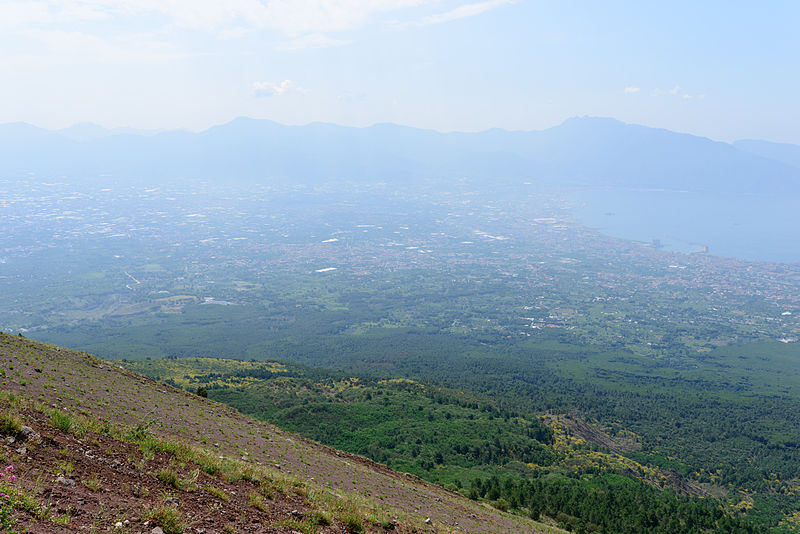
(139, 432)
(257, 502)
(351, 519)
(10, 424)
(306, 526)
(169, 477)
(61, 420)
(218, 493)
(93, 483)
(168, 518)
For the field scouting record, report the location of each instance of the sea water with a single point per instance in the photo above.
(751, 227)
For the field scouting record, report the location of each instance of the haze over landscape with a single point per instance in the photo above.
(399, 266)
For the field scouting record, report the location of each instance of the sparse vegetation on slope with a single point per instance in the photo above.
(127, 430)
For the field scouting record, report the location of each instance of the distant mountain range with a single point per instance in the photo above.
(595, 152)
(86, 131)
(786, 153)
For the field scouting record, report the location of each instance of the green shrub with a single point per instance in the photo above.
(148, 447)
(170, 477)
(6, 509)
(210, 468)
(231, 473)
(176, 448)
(218, 493)
(352, 520)
(167, 518)
(7, 499)
(10, 424)
(93, 483)
(139, 432)
(501, 504)
(64, 468)
(257, 502)
(61, 420)
(320, 518)
(305, 526)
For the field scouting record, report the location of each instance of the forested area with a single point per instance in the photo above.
(485, 449)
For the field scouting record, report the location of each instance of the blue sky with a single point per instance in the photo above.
(726, 70)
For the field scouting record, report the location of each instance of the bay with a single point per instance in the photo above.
(750, 227)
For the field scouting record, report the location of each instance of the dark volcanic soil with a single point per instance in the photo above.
(96, 482)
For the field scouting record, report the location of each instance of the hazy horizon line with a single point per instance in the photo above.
(159, 130)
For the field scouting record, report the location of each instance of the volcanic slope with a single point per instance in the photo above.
(112, 449)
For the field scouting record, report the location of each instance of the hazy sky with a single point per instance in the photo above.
(723, 69)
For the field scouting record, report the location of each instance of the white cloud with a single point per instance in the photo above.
(265, 89)
(675, 91)
(293, 17)
(298, 23)
(466, 10)
(296, 17)
(632, 90)
(662, 92)
(312, 40)
(21, 14)
(73, 47)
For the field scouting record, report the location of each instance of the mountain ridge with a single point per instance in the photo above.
(784, 152)
(579, 152)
